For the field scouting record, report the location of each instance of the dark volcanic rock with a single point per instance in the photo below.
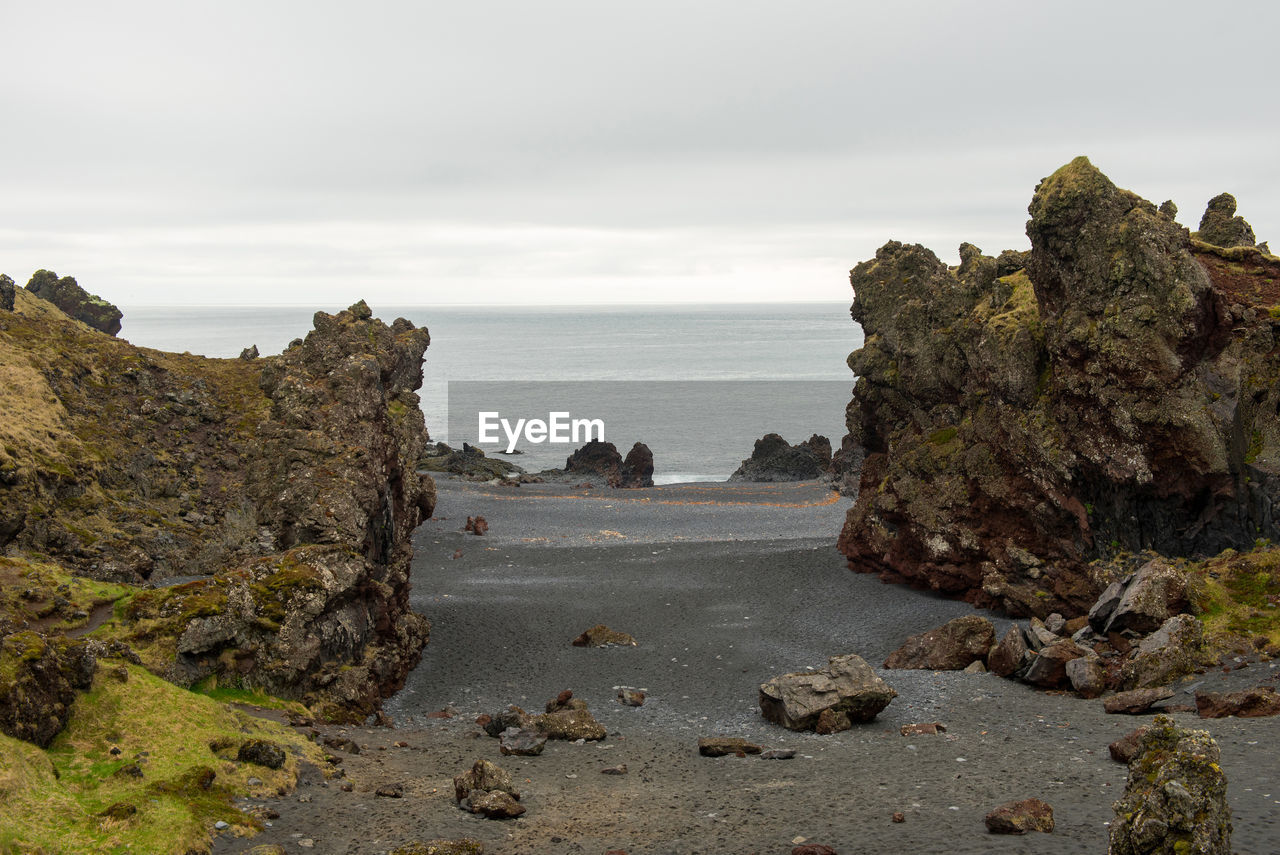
(261, 752)
(596, 459)
(1124, 749)
(1049, 669)
(1018, 425)
(1221, 227)
(601, 636)
(1172, 651)
(38, 681)
(637, 468)
(1019, 817)
(774, 459)
(1175, 800)
(1136, 701)
(469, 462)
(67, 295)
(6, 293)
(725, 746)
(485, 776)
(1010, 655)
(846, 686)
(1250, 703)
(522, 743)
(1157, 592)
(950, 647)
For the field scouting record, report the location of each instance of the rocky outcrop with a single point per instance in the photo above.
(844, 692)
(291, 480)
(774, 459)
(6, 293)
(1175, 800)
(1113, 389)
(1221, 227)
(1250, 703)
(951, 647)
(67, 295)
(469, 462)
(599, 462)
(637, 467)
(38, 682)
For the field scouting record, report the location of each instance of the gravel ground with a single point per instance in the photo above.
(723, 586)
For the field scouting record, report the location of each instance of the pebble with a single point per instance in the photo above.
(221, 825)
(307, 843)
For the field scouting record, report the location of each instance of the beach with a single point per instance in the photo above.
(723, 587)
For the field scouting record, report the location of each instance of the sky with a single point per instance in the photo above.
(512, 153)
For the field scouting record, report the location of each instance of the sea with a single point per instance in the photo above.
(698, 384)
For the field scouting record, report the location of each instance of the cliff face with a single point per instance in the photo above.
(1111, 390)
(288, 481)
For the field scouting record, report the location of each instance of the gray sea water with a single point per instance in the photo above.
(698, 384)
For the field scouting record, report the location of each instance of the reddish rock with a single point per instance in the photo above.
(1019, 817)
(1250, 703)
(723, 746)
(1126, 747)
(637, 468)
(631, 697)
(951, 647)
(923, 729)
(899, 816)
(476, 525)
(1136, 701)
(813, 849)
(601, 636)
(1010, 654)
(1049, 669)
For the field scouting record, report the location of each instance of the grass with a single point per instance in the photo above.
(54, 801)
(1239, 593)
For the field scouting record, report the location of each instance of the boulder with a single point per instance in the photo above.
(470, 462)
(484, 776)
(1157, 592)
(601, 636)
(773, 459)
(494, 804)
(1124, 749)
(951, 647)
(1136, 701)
(262, 753)
(1174, 650)
(1010, 655)
(1250, 703)
(726, 746)
(1019, 817)
(522, 743)
(1087, 676)
(1175, 799)
(637, 468)
(39, 678)
(1102, 609)
(570, 722)
(1221, 227)
(6, 293)
(1049, 669)
(598, 460)
(846, 685)
(631, 697)
(67, 295)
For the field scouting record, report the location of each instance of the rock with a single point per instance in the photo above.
(266, 849)
(390, 791)
(832, 721)
(637, 468)
(951, 647)
(1136, 701)
(39, 678)
(813, 849)
(512, 716)
(262, 753)
(67, 295)
(476, 525)
(846, 685)
(462, 846)
(778, 754)
(975, 667)
(1087, 676)
(342, 743)
(1102, 609)
(1175, 799)
(249, 353)
(1019, 817)
(469, 462)
(569, 724)
(1250, 703)
(1221, 227)
(1157, 592)
(1056, 624)
(119, 811)
(773, 459)
(725, 746)
(484, 776)
(494, 804)
(1049, 669)
(1174, 650)
(597, 459)
(928, 728)
(1010, 655)
(620, 769)
(522, 743)
(899, 816)
(1039, 636)
(601, 636)
(631, 697)
(1124, 749)
(1019, 424)
(6, 293)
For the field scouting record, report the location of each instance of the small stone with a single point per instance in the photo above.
(307, 843)
(494, 804)
(778, 754)
(390, 791)
(813, 849)
(899, 816)
(923, 729)
(1019, 817)
(1136, 701)
(631, 697)
(723, 746)
(620, 769)
(221, 825)
(1124, 749)
(602, 636)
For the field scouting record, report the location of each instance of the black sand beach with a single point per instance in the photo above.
(723, 586)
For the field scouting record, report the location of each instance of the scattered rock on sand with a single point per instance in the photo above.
(620, 769)
(522, 743)
(1136, 701)
(494, 804)
(846, 686)
(1124, 749)
(390, 791)
(1019, 817)
(464, 846)
(601, 636)
(773, 459)
(1250, 703)
(778, 754)
(486, 788)
(725, 746)
(1175, 799)
(567, 718)
(951, 647)
(899, 816)
(927, 728)
(476, 525)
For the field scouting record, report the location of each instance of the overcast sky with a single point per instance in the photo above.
(566, 152)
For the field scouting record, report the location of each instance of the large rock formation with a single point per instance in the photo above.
(1221, 227)
(600, 461)
(291, 479)
(67, 295)
(6, 293)
(1112, 389)
(775, 459)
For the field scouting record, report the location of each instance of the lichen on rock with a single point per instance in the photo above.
(67, 295)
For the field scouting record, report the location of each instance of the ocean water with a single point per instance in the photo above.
(698, 384)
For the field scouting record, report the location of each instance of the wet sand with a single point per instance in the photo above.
(723, 586)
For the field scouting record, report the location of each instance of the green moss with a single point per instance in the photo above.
(1239, 593)
(942, 436)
